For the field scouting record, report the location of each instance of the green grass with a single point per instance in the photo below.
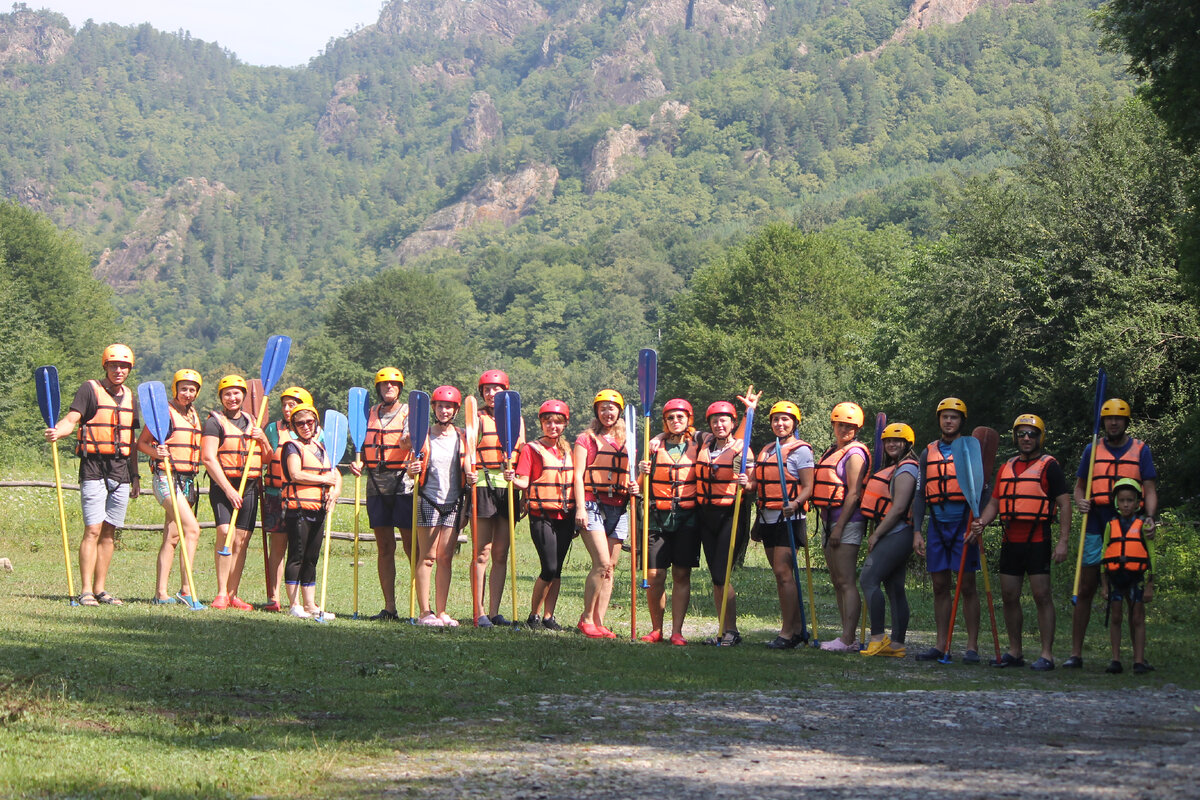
(160, 701)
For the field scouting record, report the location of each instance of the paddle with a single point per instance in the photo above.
(877, 455)
(783, 488)
(357, 405)
(254, 393)
(1098, 403)
(46, 382)
(647, 386)
(418, 430)
(631, 465)
(471, 424)
(273, 363)
(733, 526)
(507, 411)
(335, 448)
(989, 442)
(156, 414)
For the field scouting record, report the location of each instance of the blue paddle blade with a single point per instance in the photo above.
(335, 436)
(418, 419)
(156, 413)
(275, 361)
(746, 440)
(46, 381)
(1101, 388)
(631, 438)
(357, 408)
(508, 420)
(877, 451)
(647, 377)
(968, 466)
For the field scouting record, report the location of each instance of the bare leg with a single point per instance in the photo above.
(1089, 579)
(443, 555)
(596, 544)
(785, 586)
(277, 553)
(223, 562)
(1040, 586)
(166, 556)
(606, 588)
(501, 541)
(970, 607)
(731, 606)
(656, 598)
(385, 559)
(425, 561)
(241, 544)
(943, 604)
(1014, 619)
(1137, 631)
(681, 597)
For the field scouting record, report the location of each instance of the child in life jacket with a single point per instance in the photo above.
(1125, 574)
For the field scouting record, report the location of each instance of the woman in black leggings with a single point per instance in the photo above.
(887, 500)
(310, 489)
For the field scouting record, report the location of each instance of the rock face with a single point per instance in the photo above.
(726, 18)
(503, 200)
(460, 20)
(159, 234)
(619, 149)
(927, 13)
(339, 118)
(33, 37)
(482, 125)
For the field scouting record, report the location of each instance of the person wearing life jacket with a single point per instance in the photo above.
(942, 500)
(1126, 568)
(837, 491)
(546, 471)
(604, 479)
(1118, 455)
(386, 453)
(182, 447)
(225, 452)
(887, 501)
(442, 481)
(107, 413)
(493, 536)
(780, 516)
(275, 538)
(1029, 494)
(672, 541)
(311, 485)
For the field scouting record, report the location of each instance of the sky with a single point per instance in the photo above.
(284, 33)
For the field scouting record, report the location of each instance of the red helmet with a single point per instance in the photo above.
(494, 376)
(447, 394)
(721, 407)
(554, 407)
(678, 404)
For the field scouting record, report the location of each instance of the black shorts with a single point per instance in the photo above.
(247, 515)
(390, 511)
(715, 527)
(1025, 558)
(677, 548)
(775, 534)
(493, 503)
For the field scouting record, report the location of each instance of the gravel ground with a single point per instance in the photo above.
(1128, 744)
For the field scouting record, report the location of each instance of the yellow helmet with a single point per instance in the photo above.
(309, 407)
(952, 404)
(609, 396)
(898, 430)
(1031, 420)
(389, 374)
(849, 413)
(298, 394)
(1115, 407)
(234, 381)
(786, 407)
(186, 375)
(119, 353)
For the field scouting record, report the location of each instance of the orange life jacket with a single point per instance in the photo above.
(462, 457)
(233, 448)
(183, 443)
(673, 482)
(941, 480)
(766, 475)
(829, 489)
(552, 490)
(306, 496)
(1022, 496)
(1110, 469)
(716, 477)
(607, 474)
(274, 477)
(1125, 551)
(877, 496)
(381, 448)
(489, 454)
(110, 430)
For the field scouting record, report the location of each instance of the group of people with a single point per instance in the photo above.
(689, 485)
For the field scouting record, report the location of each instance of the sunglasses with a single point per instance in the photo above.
(304, 423)
(1026, 434)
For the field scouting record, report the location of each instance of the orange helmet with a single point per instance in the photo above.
(849, 413)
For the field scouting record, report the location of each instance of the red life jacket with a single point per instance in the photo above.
(183, 443)
(941, 479)
(716, 477)
(552, 491)
(306, 496)
(274, 476)
(829, 489)
(234, 446)
(381, 448)
(110, 430)
(1126, 551)
(608, 472)
(1021, 496)
(1110, 469)
(877, 495)
(672, 482)
(766, 475)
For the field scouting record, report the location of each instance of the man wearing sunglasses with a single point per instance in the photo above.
(1030, 492)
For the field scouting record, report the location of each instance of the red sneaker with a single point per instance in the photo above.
(273, 606)
(652, 637)
(220, 601)
(678, 640)
(589, 630)
(240, 604)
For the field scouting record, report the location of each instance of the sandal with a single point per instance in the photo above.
(88, 599)
(108, 600)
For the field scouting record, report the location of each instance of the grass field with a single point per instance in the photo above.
(143, 701)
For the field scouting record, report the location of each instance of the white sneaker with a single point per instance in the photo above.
(298, 611)
(325, 616)
(447, 620)
(431, 620)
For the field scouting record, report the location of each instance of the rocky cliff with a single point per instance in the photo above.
(36, 37)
